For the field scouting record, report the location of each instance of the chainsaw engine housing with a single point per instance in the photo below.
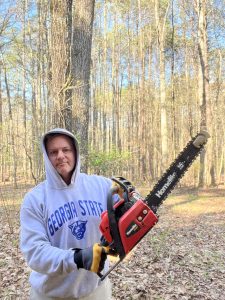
(124, 231)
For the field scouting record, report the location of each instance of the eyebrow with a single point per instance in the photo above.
(66, 147)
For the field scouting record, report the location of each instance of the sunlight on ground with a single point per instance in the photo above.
(195, 205)
(8, 202)
(11, 196)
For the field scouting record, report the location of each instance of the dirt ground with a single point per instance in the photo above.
(182, 257)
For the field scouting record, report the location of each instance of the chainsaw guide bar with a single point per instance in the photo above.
(176, 171)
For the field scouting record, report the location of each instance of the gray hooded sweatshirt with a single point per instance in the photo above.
(55, 218)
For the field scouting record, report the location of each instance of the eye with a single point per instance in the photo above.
(66, 150)
(53, 152)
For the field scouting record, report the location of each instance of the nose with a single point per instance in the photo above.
(60, 154)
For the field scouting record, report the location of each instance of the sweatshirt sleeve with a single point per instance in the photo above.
(40, 255)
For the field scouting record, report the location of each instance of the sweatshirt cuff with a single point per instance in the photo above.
(71, 264)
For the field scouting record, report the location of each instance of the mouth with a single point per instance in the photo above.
(62, 164)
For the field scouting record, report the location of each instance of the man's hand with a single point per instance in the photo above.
(117, 189)
(92, 258)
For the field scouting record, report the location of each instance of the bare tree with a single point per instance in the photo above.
(160, 19)
(60, 60)
(83, 17)
(203, 76)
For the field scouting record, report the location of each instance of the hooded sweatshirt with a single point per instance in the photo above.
(55, 218)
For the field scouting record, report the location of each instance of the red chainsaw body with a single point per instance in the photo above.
(132, 225)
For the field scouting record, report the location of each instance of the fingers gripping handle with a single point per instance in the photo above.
(105, 251)
(99, 258)
(92, 258)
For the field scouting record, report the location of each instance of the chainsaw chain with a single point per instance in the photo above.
(151, 198)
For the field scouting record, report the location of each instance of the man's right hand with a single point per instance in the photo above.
(92, 258)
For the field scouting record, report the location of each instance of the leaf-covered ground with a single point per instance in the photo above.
(183, 257)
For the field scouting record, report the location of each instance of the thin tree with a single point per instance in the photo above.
(160, 20)
(203, 76)
(83, 17)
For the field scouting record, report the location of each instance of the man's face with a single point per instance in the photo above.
(62, 155)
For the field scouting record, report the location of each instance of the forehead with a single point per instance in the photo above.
(58, 141)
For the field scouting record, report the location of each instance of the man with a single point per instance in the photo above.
(60, 226)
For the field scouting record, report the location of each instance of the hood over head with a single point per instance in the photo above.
(52, 176)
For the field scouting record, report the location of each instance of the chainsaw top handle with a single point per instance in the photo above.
(123, 183)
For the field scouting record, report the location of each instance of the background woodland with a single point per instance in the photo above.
(134, 80)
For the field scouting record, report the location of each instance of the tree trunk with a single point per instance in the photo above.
(161, 30)
(83, 17)
(24, 84)
(60, 68)
(1, 129)
(203, 77)
(12, 131)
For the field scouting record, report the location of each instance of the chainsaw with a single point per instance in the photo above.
(128, 220)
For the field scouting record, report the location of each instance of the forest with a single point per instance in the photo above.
(135, 81)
